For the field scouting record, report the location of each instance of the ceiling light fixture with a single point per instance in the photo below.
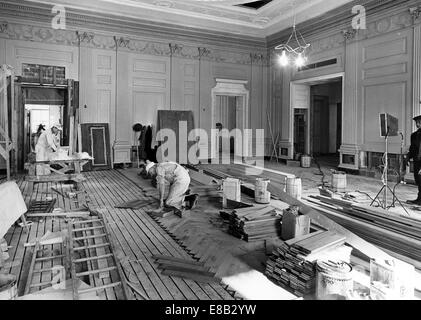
(294, 49)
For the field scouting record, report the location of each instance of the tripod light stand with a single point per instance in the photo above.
(386, 188)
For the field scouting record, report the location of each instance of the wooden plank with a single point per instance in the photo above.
(176, 287)
(195, 277)
(365, 247)
(130, 187)
(197, 290)
(148, 277)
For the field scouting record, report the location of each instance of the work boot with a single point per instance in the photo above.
(191, 201)
(178, 212)
(415, 202)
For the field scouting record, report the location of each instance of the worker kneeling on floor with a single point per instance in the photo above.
(48, 142)
(178, 179)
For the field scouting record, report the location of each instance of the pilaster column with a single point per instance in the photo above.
(123, 122)
(349, 151)
(417, 67)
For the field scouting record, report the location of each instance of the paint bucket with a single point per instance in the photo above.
(339, 182)
(8, 287)
(305, 161)
(231, 190)
(294, 188)
(261, 195)
(334, 280)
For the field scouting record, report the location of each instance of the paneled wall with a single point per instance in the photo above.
(125, 80)
(382, 72)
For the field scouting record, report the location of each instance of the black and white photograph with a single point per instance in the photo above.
(210, 158)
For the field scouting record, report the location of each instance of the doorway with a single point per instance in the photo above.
(42, 107)
(40, 116)
(317, 118)
(225, 118)
(230, 107)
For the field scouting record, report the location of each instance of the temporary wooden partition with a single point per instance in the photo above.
(7, 117)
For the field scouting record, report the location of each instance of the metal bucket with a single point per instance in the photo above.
(339, 182)
(334, 280)
(305, 161)
(261, 195)
(8, 287)
(294, 188)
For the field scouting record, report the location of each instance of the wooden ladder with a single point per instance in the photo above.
(100, 257)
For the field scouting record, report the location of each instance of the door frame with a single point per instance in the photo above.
(232, 88)
(310, 82)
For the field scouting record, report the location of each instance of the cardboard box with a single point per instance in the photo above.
(294, 225)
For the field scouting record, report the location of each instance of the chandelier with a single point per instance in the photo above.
(294, 49)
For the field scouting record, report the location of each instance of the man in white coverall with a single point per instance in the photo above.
(48, 142)
(177, 178)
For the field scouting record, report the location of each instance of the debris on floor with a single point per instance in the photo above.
(193, 270)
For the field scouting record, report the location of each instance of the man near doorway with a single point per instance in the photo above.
(415, 154)
(48, 142)
(173, 176)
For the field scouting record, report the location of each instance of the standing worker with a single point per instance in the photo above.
(178, 179)
(48, 142)
(415, 154)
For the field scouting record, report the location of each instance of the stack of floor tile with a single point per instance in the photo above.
(255, 223)
(292, 264)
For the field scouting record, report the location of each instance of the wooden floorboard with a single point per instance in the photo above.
(190, 290)
(137, 237)
(155, 233)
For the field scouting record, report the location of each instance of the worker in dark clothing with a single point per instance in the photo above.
(415, 154)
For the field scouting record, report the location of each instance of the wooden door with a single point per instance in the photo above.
(320, 125)
(96, 142)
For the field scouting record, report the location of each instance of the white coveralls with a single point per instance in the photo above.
(178, 179)
(45, 145)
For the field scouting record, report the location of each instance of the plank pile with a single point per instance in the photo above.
(292, 265)
(254, 223)
(178, 267)
(397, 233)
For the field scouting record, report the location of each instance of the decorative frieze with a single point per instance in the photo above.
(98, 41)
(387, 24)
(38, 34)
(151, 48)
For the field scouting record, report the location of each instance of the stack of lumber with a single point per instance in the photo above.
(292, 265)
(178, 267)
(255, 223)
(397, 233)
